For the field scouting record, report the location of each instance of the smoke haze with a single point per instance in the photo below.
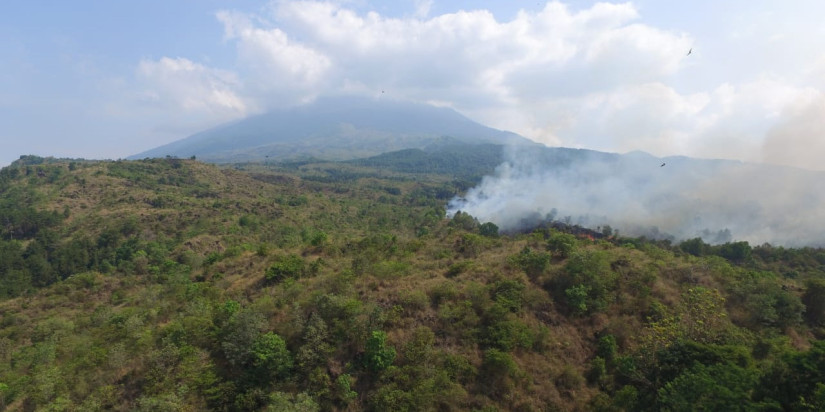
(718, 200)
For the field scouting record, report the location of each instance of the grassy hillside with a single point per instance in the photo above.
(175, 285)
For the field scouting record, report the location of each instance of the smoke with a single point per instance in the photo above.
(674, 197)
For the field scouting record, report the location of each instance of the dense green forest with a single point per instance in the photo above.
(174, 285)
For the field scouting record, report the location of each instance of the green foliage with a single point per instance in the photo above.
(508, 293)
(577, 298)
(458, 268)
(532, 263)
(315, 348)
(607, 348)
(285, 267)
(488, 229)
(344, 394)
(796, 382)
(695, 246)
(464, 221)
(709, 388)
(133, 286)
(561, 244)
(271, 358)
(498, 371)
(814, 300)
(285, 402)
(736, 251)
(704, 317)
(240, 335)
(470, 245)
(597, 371)
(587, 283)
(378, 355)
(766, 301)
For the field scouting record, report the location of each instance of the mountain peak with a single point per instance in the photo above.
(334, 128)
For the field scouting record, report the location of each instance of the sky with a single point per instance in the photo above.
(104, 79)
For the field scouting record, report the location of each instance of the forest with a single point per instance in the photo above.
(174, 285)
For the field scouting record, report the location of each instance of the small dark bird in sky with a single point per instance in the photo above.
(689, 51)
(663, 165)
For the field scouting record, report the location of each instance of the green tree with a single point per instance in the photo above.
(695, 246)
(531, 262)
(488, 229)
(285, 267)
(561, 244)
(814, 301)
(498, 372)
(240, 335)
(709, 388)
(378, 355)
(271, 358)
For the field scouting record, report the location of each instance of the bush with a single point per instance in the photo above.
(378, 355)
(488, 229)
(532, 263)
(561, 244)
(464, 221)
(286, 267)
(270, 357)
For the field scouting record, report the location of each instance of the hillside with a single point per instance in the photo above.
(171, 284)
(333, 129)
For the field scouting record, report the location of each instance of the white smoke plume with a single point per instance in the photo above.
(675, 197)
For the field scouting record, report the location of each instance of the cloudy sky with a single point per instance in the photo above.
(108, 79)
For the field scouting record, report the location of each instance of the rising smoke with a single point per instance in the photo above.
(717, 200)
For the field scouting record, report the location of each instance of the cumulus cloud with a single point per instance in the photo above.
(422, 8)
(181, 83)
(599, 77)
(275, 68)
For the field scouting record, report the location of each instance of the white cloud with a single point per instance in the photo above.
(422, 8)
(601, 77)
(273, 66)
(192, 87)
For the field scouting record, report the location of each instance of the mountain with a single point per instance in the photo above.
(171, 284)
(334, 129)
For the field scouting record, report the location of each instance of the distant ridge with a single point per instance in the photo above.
(339, 128)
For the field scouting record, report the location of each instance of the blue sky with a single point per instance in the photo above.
(106, 79)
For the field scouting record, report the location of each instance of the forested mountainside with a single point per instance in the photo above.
(170, 284)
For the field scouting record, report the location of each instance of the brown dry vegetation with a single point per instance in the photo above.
(185, 275)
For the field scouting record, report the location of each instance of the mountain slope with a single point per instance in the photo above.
(170, 284)
(333, 128)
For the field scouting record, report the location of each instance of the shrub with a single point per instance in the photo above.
(532, 263)
(270, 357)
(561, 244)
(488, 229)
(378, 355)
(286, 267)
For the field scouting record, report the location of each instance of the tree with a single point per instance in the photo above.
(695, 246)
(240, 336)
(289, 266)
(736, 251)
(709, 388)
(488, 229)
(814, 300)
(315, 348)
(498, 370)
(271, 358)
(561, 244)
(532, 263)
(378, 355)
